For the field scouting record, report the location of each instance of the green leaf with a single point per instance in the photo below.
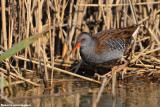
(6, 84)
(21, 45)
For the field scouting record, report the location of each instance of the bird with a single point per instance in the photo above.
(105, 46)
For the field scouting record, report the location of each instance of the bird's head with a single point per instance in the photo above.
(83, 40)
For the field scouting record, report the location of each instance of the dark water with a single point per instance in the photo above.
(73, 92)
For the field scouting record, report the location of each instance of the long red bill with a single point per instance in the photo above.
(78, 45)
(67, 55)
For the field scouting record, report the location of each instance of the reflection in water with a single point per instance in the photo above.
(142, 94)
(128, 94)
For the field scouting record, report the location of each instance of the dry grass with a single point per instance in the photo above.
(69, 18)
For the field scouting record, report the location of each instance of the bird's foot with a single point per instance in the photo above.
(101, 77)
(107, 75)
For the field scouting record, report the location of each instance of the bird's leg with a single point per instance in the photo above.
(118, 68)
(110, 73)
(115, 68)
(78, 66)
(96, 75)
(101, 77)
(123, 65)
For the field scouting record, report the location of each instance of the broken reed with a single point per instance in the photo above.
(69, 18)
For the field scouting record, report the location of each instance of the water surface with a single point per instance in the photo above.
(73, 92)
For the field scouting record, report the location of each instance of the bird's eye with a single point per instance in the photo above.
(83, 39)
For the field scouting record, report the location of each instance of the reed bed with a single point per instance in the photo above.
(68, 18)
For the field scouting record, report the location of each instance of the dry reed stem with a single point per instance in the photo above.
(140, 62)
(45, 68)
(6, 99)
(115, 5)
(153, 50)
(27, 31)
(72, 29)
(147, 66)
(153, 58)
(152, 34)
(133, 60)
(101, 90)
(17, 82)
(52, 41)
(114, 78)
(63, 71)
(11, 27)
(133, 12)
(4, 33)
(13, 68)
(2, 83)
(73, 74)
(20, 77)
(39, 28)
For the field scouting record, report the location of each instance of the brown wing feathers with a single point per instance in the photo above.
(124, 33)
(115, 38)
